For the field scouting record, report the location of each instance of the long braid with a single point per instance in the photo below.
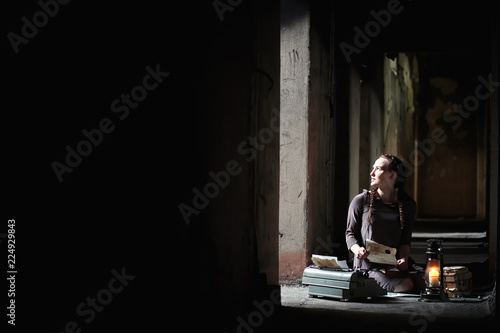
(372, 195)
(401, 218)
(400, 188)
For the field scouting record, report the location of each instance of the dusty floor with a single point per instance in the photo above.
(391, 313)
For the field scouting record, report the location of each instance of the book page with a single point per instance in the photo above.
(380, 253)
(329, 262)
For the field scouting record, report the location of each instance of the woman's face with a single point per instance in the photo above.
(381, 176)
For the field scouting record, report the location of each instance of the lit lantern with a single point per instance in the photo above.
(434, 290)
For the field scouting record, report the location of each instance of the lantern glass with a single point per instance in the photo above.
(434, 290)
(433, 273)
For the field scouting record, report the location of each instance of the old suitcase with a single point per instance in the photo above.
(341, 284)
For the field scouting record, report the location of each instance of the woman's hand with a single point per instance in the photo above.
(402, 264)
(359, 252)
(362, 253)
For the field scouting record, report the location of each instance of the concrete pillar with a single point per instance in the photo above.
(294, 82)
(354, 128)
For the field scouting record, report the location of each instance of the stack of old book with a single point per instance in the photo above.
(457, 280)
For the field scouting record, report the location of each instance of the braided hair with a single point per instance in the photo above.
(396, 165)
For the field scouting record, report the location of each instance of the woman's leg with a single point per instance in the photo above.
(392, 281)
(418, 281)
(404, 286)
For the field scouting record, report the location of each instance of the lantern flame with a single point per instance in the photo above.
(433, 273)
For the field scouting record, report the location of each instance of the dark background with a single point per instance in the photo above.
(119, 207)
